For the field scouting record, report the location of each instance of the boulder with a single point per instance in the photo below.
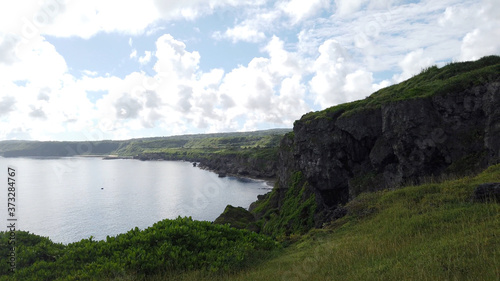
(487, 192)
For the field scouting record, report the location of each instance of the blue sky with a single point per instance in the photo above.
(92, 70)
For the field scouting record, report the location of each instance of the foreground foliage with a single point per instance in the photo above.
(168, 246)
(432, 231)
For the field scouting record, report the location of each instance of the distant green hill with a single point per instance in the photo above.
(134, 147)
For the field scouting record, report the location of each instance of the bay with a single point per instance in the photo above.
(69, 199)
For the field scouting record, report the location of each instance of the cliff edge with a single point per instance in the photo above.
(444, 121)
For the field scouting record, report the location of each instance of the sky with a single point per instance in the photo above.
(109, 69)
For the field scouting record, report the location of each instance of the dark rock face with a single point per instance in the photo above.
(401, 142)
(487, 192)
(241, 166)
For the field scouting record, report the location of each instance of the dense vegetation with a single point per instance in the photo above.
(432, 231)
(430, 82)
(295, 216)
(171, 246)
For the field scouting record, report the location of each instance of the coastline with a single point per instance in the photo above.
(269, 181)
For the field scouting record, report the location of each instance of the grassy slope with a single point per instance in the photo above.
(427, 232)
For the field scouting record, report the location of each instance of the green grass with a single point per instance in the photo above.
(295, 216)
(431, 81)
(426, 232)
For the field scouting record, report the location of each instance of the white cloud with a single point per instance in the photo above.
(191, 9)
(252, 28)
(8, 45)
(133, 54)
(146, 58)
(174, 60)
(37, 62)
(87, 18)
(90, 73)
(412, 64)
(480, 42)
(299, 10)
(243, 32)
(347, 7)
(65, 18)
(337, 79)
(268, 90)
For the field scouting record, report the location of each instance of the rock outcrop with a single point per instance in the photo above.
(241, 165)
(342, 154)
(487, 192)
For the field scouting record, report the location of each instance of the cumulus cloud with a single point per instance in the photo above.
(337, 79)
(6, 105)
(253, 28)
(242, 32)
(37, 112)
(190, 9)
(267, 89)
(173, 59)
(299, 10)
(146, 58)
(412, 64)
(127, 107)
(7, 49)
(478, 27)
(152, 99)
(185, 94)
(44, 94)
(346, 7)
(480, 42)
(84, 19)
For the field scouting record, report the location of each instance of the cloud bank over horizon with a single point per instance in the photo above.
(93, 70)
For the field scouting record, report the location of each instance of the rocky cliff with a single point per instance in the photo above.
(242, 165)
(448, 123)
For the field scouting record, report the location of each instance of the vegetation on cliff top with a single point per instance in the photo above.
(431, 81)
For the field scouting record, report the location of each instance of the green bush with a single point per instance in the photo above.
(167, 246)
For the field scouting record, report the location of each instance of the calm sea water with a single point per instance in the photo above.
(69, 199)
